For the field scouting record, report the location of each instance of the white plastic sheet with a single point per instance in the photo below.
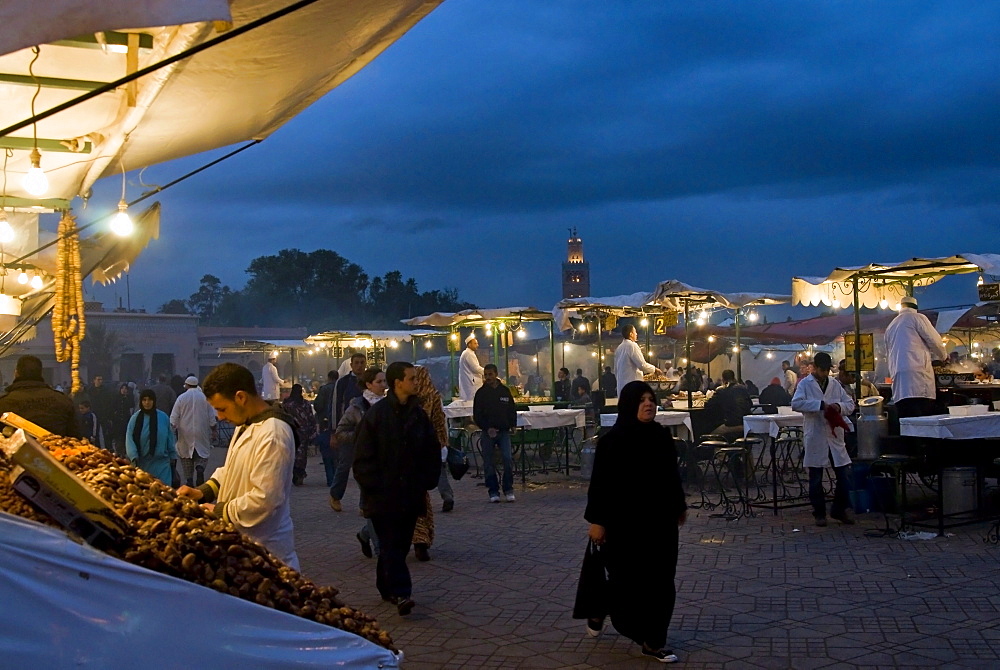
(68, 605)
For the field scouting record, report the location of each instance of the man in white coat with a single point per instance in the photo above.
(824, 405)
(193, 419)
(470, 372)
(252, 489)
(630, 365)
(913, 344)
(270, 381)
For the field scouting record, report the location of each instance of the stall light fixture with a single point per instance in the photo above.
(836, 303)
(975, 344)
(427, 344)
(684, 361)
(6, 231)
(883, 303)
(22, 278)
(711, 338)
(565, 346)
(534, 359)
(736, 349)
(703, 315)
(454, 336)
(122, 225)
(393, 344)
(700, 321)
(521, 334)
(769, 355)
(644, 322)
(583, 328)
(593, 354)
(36, 282)
(650, 352)
(752, 316)
(980, 281)
(489, 330)
(35, 182)
(502, 326)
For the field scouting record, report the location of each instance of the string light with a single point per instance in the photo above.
(521, 334)
(22, 278)
(36, 282)
(35, 182)
(883, 303)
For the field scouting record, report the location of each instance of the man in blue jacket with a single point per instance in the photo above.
(494, 412)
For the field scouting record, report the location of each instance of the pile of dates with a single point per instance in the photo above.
(13, 502)
(174, 535)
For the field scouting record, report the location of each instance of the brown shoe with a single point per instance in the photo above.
(404, 606)
(335, 504)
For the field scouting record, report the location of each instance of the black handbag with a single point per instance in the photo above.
(592, 593)
(458, 463)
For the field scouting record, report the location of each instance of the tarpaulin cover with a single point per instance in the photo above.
(64, 605)
(673, 294)
(619, 305)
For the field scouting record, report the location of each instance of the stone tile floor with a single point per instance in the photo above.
(760, 592)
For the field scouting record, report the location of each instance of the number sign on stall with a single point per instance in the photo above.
(867, 351)
(664, 321)
(989, 292)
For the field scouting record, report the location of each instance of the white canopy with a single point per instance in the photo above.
(242, 89)
(886, 281)
(674, 294)
(368, 337)
(619, 305)
(473, 317)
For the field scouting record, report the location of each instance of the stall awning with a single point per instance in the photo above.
(365, 338)
(262, 346)
(674, 294)
(886, 283)
(632, 304)
(478, 317)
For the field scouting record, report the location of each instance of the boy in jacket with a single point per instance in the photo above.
(494, 412)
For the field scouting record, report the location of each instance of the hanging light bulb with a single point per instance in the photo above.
(769, 355)
(427, 344)
(736, 349)
(703, 315)
(836, 303)
(22, 278)
(700, 322)
(752, 316)
(644, 322)
(981, 281)
(121, 225)
(711, 338)
(521, 334)
(6, 231)
(583, 328)
(883, 303)
(35, 181)
(36, 282)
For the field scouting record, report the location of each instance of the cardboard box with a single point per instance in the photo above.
(54, 489)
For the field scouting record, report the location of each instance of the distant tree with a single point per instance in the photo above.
(100, 350)
(206, 301)
(175, 306)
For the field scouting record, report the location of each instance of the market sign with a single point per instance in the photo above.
(664, 321)
(867, 351)
(989, 292)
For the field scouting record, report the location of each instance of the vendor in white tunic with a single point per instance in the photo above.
(912, 344)
(825, 406)
(252, 489)
(470, 372)
(270, 381)
(630, 365)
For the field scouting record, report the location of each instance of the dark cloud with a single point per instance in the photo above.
(709, 141)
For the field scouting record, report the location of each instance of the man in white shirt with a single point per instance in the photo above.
(913, 345)
(789, 380)
(270, 381)
(470, 372)
(193, 419)
(630, 365)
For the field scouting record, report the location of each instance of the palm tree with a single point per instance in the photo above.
(100, 350)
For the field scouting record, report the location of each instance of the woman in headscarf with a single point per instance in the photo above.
(635, 507)
(430, 401)
(149, 442)
(305, 418)
(124, 408)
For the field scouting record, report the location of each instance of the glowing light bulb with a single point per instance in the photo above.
(427, 344)
(644, 323)
(121, 225)
(6, 231)
(502, 326)
(700, 322)
(593, 354)
(22, 278)
(883, 303)
(836, 303)
(711, 338)
(36, 282)
(650, 352)
(35, 182)
(393, 343)
(583, 328)
(684, 361)
(897, 306)
(769, 355)
(703, 315)
(736, 350)
(565, 347)
(489, 330)
(980, 281)
(534, 359)
(454, 336)
(975, 344)
(752, 316)
(521, 334)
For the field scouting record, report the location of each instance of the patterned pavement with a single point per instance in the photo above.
(760, 592)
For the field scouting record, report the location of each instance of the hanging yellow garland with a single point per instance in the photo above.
(68, 321)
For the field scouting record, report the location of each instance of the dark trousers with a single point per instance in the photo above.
(841, 494)
(392, 577)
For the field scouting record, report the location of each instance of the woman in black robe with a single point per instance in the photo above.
(635, 506)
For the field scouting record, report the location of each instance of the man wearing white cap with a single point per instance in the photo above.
(193, 419)
(270, 381)
(470, 372)
(912, 344)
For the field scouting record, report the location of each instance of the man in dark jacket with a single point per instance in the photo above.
(494, 412)
(775, 394)
(31, 398)
(397, 460)
(609, 383)
(578, 382)
(323, 404)
(562, 386)
(347, 389)
(728, 406)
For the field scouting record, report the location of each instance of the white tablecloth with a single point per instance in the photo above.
(770, 423)
(536, 418)
(662, 418)
(948, 427)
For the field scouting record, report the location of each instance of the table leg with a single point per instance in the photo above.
(774, 477)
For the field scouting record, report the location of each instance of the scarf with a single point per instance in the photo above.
(370, 397)
(153, 423)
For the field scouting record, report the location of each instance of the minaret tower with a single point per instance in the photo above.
(575, 271)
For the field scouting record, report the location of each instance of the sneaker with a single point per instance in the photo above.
(404, 606)
(448, 506)
(510, 497)
(366, 547)
(821, 522)
(661, 655)
(595, 627)
(494, 498)
(846, 517)
(335, 504)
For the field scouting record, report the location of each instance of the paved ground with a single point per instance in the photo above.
(763, 592)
